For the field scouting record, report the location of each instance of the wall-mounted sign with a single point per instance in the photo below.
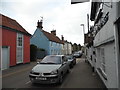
(103, 21)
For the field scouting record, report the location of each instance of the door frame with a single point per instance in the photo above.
(20, 47)
(117, 44)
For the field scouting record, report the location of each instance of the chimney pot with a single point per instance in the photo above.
(39, 24)
(62, 37)
(53, 32)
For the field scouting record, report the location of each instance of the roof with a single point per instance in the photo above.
(52, 37)
(11, 24)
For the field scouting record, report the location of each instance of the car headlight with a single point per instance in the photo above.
(31, 71)
(54, 72)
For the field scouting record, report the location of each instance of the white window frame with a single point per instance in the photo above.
(103, 64)
(17, 46)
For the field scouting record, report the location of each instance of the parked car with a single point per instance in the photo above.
(72, 60)
(77, 54)
(50, 70)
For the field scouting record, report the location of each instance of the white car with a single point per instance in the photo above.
(50, 70)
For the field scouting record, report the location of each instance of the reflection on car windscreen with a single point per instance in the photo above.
(51, 60)
(69, 57)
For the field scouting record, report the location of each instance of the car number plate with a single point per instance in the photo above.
(41, 78)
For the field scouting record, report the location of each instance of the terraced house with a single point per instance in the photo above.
(106, 32)
(45, 40)
(15, 42)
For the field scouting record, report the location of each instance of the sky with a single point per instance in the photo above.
(60, 15)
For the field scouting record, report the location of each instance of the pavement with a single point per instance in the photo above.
(81, 76)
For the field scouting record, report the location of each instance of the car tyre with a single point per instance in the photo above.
(61, 79)
(68, 71)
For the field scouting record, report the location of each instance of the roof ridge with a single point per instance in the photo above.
(52, 37)
(7, 17)
(12, 23)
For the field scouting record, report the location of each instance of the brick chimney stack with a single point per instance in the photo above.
(53, 32)
(62, 37)
(39, 24)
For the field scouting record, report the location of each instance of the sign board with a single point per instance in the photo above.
(78, 1)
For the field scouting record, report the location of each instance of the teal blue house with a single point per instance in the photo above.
(45, 40)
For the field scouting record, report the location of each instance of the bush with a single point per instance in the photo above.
(33, 52)
(40, 49)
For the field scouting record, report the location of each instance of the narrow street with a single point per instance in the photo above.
(81, 76)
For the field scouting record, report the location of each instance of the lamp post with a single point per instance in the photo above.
(83, 28)
(83, 31)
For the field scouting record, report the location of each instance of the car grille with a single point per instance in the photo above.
(36, 73)
(46, 73)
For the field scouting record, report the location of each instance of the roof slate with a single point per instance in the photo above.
(52, 37)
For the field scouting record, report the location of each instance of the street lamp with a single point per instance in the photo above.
(83, 31)
(83, 28)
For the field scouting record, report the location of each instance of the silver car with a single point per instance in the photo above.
(50, 70)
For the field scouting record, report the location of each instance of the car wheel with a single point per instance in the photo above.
(75, 62)
(61, 79)
(68, 71)
(71, 66)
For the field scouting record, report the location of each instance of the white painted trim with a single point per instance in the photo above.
(117, 54)
(21, 47)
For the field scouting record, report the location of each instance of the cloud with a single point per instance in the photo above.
(65, 17)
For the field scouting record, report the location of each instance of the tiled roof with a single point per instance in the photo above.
(52, 37)
(11, 23)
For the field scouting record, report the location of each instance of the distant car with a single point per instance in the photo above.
(72, 60)
(77, 54)
(50, 70)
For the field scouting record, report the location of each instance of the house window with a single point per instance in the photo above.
(103, 60)
(19, 40)
(19, 49)
(51, 43)
(51, 51)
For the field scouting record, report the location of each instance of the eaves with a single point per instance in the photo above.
(14, 30)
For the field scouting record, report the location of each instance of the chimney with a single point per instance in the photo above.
(53, 32)
(62, 37)
(39, 24)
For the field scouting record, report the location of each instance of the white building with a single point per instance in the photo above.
(67, 47)
(106, 17)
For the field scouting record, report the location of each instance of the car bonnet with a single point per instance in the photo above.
(45, 68)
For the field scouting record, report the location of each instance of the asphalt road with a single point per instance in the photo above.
(81, 76)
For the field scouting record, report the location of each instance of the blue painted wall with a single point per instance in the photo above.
(40, 40)
(55, 48)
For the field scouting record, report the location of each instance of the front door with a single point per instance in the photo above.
(5, 58)
(19, 48)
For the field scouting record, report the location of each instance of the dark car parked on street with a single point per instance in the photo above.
(72, 60)
(50, 70)
(77, 54)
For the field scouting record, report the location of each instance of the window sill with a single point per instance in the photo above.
(102, 73)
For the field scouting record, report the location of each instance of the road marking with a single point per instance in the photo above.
(28, 82)
(15, 72)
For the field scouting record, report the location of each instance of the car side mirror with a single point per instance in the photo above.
(38, 62)
(64, 63)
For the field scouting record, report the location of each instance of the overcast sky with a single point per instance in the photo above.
(57, 14)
